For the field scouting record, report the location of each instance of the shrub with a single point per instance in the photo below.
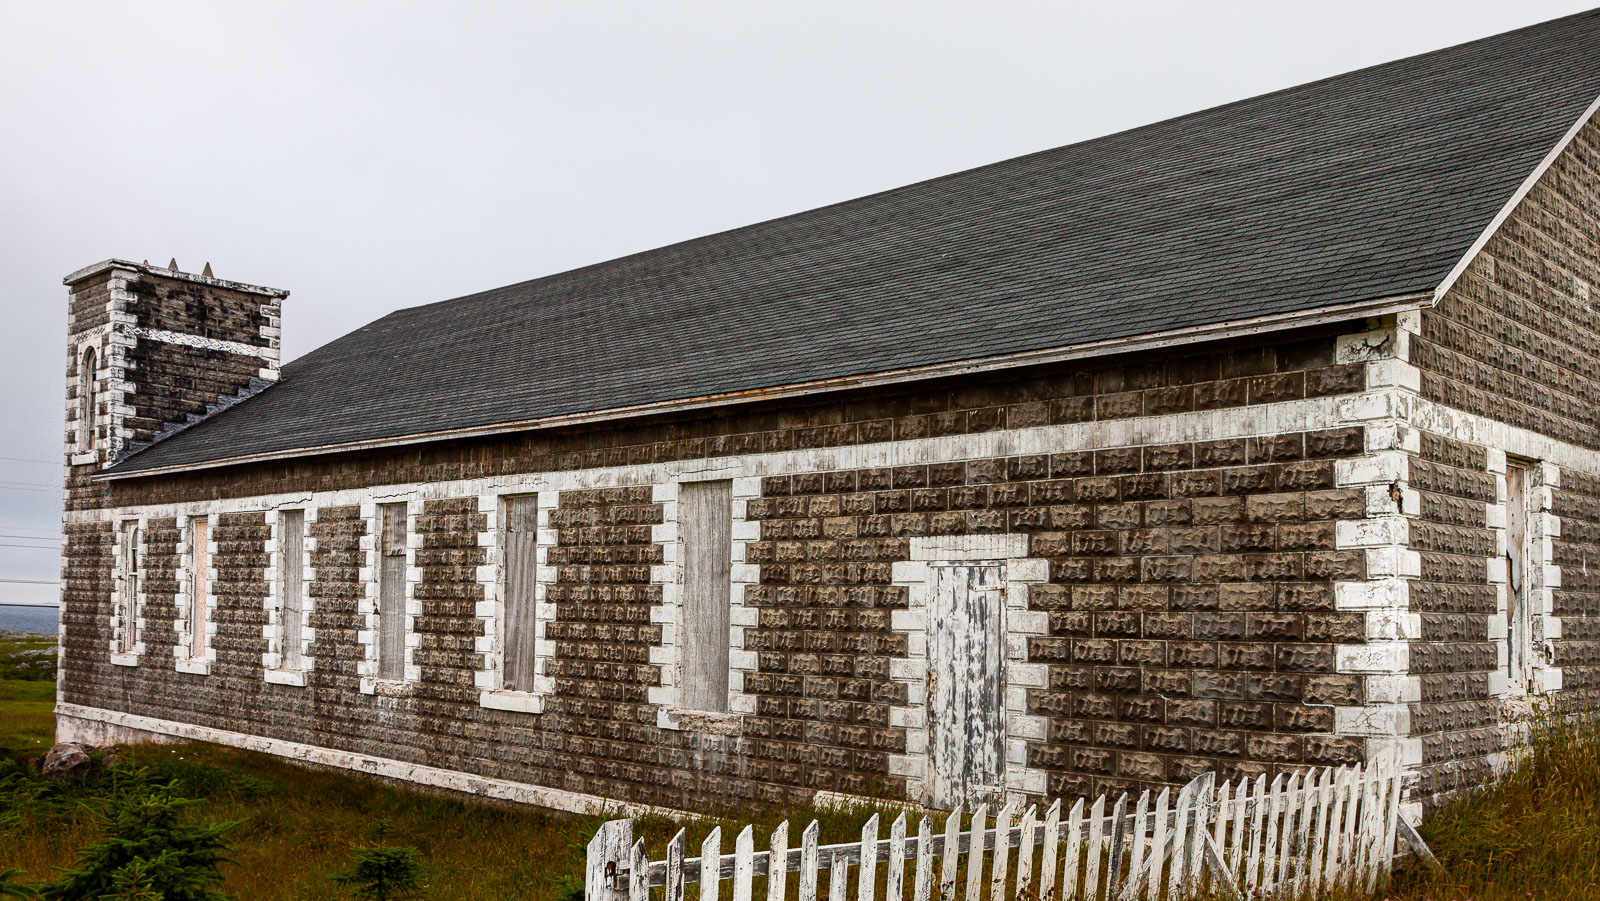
(381, 872)
(145, 852)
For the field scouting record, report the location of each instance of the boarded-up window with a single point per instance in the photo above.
(199, 585)
(706, 523)
(131, 577)
(86, 400)
(521, 562)
(392, 592)
(291, 562)
(1519, 624)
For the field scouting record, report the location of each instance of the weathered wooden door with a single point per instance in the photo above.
(966, 684)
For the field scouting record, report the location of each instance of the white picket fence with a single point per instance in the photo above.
(1296, 837)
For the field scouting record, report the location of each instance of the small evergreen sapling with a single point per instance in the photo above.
(146, 854)
(382, 872)
(10, 888)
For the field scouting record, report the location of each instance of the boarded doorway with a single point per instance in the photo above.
(966, 683)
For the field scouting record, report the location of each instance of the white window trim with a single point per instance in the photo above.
(1019, 624)
(119, 589)
(1543, 627)
(492, 609)
(272, 667)
(670, 714)
(183, 661)
(367, 667)
(81, 454)
(86, 398)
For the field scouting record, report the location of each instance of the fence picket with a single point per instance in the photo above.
(1219, 829)
(1141, 822)
(639, 873)
(894, 880)
(868, 880)
(1026, 834)
(778, 863)
(1241, 795)
(1269, 849)
(1286, 827)
(1195, 867)
(808, 863)
(1069, 874)
(1119, 814)
(1094, 848)
(1358, 876)
(1258, 831)
(921, 887)
(838, 876)
(1305, 828)
(710, 849)
(744, 871)
(1335, 852)
(1158, 847)
(952, 856)
(1178, 872)
(1391, 820)
(1001, 865)
(674, 886)
(1319, 839)
(1352, 824)
(1374, 824)
(975, 854)
(1052, 843)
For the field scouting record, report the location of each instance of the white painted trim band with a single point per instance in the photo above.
(185, 340)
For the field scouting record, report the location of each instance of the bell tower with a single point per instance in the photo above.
(150, 349)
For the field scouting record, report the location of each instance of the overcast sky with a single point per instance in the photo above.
(372, 156)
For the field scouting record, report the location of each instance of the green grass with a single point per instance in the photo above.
(26, 656)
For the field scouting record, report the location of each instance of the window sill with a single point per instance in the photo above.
(388, 688)
(194, 667)
(518, 701)
(710, 722)
(125, 659)
(85, 458)
(285, 676)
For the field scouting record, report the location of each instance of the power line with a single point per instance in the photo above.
(53, 532)
(32, 460)
(32, 538)
(31, 581)
(35, 484)
(37, 547)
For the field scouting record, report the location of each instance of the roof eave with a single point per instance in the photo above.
(1193, 335)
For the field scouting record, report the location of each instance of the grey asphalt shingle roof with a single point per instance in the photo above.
(1365, 185)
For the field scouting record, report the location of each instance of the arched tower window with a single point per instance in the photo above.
(86, 399)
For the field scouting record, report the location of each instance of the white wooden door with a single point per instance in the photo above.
(966, 684)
